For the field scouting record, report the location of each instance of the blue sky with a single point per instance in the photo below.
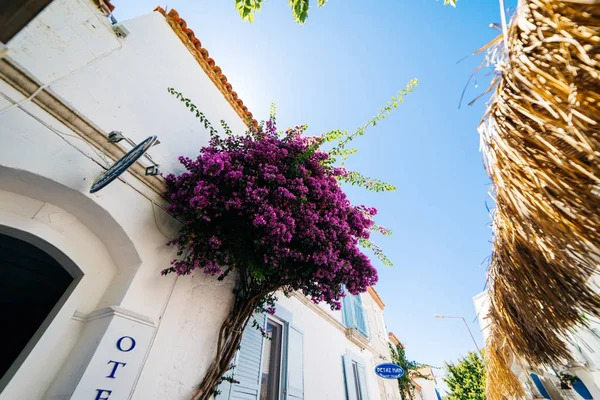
(337, 71)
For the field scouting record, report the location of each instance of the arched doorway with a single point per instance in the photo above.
(31, 284)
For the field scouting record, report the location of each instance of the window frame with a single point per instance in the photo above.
(283, 332)
(291, 363)
(356, 381)
(350, 305)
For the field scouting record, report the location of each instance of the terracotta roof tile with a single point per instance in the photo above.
(371, 290)
(394, 339)
(105, 6)
(214, 72)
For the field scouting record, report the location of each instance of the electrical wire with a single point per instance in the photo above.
(63, 136)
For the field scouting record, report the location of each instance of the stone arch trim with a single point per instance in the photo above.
(82, 207)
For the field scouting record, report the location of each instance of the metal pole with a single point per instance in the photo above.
(471, 333)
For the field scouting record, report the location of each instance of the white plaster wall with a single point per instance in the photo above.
(378, 340)
(66, 36)
(337, 314)
(482, 308)
(187, 337)
(427, 389)
(122, 84)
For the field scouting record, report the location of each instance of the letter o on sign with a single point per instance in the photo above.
(126, 341)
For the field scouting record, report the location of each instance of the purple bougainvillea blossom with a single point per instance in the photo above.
(268, 203)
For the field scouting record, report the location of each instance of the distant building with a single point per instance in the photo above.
(85, 312)
(426, 386)
(545, 383)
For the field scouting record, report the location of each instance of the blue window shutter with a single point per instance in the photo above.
(361, 318)
(582, 390)
(295, 364)
(354, 313)
(540, 386)
(348, 311)
(247, 365)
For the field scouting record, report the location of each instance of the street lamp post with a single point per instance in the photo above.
(467, 325)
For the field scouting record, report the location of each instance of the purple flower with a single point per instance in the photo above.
(259, 203)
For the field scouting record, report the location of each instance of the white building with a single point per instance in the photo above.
(545, 383)
(426, 385)
(86, 314)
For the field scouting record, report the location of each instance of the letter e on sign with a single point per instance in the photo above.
(103, 394)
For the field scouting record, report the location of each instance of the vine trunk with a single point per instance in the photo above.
(230, 336)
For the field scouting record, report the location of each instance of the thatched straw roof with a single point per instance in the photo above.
(541, 144)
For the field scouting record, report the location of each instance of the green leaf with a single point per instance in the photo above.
(376, 185)
(451, 2)
(247, 8)
(299, 10)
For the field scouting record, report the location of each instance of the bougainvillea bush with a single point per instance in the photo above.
(268, 207)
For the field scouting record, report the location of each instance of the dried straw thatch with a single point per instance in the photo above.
(541, 144)
(500, 379)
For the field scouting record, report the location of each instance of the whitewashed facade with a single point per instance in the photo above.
(102, 324)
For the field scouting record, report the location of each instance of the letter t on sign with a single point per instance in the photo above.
(114, 370)
(102, 392)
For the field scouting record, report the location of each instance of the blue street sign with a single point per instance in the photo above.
(389, 371)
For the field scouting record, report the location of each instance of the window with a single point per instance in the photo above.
(383, 335)
(356, 378)
(271, 362)
(354, 314)
(270, 368)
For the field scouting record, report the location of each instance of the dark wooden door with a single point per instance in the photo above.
(31, 283)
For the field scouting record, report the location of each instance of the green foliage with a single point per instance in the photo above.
(247, 8)
(375, 185)
(343, 137)
(411, 370)
(367, 244)
(466, 380)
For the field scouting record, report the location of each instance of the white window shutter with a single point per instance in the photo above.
(351, 380)
(247, 365)
(349, 377)
(295, 364)
(363, 381)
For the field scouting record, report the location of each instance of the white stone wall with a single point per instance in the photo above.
(121, 84)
